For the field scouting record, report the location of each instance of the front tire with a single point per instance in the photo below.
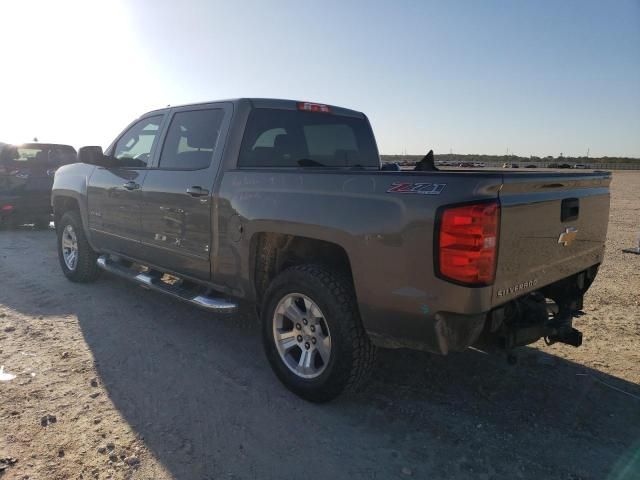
(313, 335)
(77, 258)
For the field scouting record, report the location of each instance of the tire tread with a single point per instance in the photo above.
(87, 268)
(361, 352)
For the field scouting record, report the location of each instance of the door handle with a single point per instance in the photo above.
(569, 209)
(131, 185)
(197, 191)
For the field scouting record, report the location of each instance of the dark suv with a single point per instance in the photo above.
(26, 178)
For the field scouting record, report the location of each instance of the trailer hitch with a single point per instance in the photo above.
(560, 329)
(571, 337)
(526, 320)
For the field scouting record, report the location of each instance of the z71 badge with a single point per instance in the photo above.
(418, 188)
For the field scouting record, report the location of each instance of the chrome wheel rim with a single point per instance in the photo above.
(70, 247)
(301, 335)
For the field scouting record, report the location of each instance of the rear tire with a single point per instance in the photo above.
(338, 352)
(82, 267)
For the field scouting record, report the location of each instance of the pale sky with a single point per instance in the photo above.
(538, 77)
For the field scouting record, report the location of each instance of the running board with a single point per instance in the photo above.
(212, 304)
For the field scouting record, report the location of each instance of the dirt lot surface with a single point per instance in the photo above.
(117, 382)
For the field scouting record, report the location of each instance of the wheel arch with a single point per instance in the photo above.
(70, 201)
(272, 252)
(62, 204)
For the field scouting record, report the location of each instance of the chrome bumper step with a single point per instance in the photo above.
(212, 304)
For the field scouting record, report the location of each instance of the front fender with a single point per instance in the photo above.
(70, 183)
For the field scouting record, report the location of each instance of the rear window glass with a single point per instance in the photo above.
(41, 155)
(291, 138)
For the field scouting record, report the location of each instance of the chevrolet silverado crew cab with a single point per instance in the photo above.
(285, 205)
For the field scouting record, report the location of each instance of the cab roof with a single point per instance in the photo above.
(275, 103)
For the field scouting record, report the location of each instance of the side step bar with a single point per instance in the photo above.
(212, 304)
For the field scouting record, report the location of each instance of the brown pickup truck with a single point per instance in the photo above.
(285, 205)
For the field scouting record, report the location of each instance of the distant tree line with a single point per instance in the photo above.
(493, 159)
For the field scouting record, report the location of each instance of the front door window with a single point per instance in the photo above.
(135, 146)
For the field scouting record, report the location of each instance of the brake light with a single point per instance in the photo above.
(468, 242)
(313, 107)
(6, 208)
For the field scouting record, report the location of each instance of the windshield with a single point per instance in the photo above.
(292, 138)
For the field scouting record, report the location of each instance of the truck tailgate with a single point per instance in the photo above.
(552, 226)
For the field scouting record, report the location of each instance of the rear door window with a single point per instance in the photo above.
(292, 138)
(191, 139)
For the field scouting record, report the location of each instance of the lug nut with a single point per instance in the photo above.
(299, 338)
(313, 340)
(298, 326)
(313, 328)
(306, 345)
(304, 320)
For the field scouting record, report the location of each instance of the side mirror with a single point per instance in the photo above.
(92, 156)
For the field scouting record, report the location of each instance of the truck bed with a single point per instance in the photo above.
(388, 236)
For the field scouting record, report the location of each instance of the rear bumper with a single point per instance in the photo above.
(547, 312)
(441, 333)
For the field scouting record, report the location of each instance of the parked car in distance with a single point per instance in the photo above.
(391, 166)
(531, 165)
(581, 166)
(26, 178)
(283, 206)
(564, 165)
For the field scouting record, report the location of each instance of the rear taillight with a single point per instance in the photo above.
(6, 208)
(313, 107)
(467, 243)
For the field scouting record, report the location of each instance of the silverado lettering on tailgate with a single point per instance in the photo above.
(516, 288)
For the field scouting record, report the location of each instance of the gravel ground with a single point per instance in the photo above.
(117, 382)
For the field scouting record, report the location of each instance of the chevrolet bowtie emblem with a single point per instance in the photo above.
(567, 237)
